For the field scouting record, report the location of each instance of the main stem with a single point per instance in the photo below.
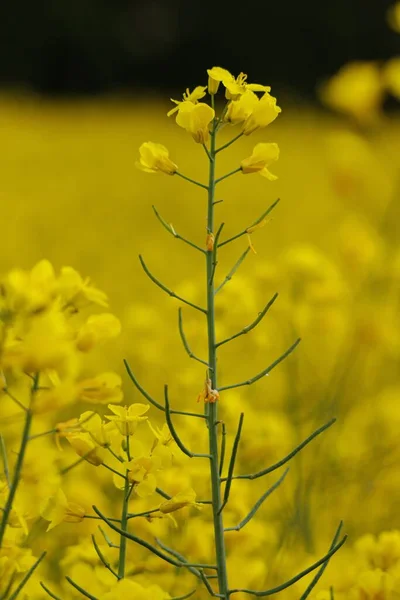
(212, 414)
(124, 526)
(20, 461)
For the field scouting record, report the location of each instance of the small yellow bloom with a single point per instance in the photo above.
(86, 447)
(155, 157)
(215, 76)
(356, 90)
(239, 110)
(196, 118)
(180, 500)
(263, 155)
(393, 17)
(78, 292)
(264, 112)
(391, 76)
(141, 473)
(127, 418)
(235, 87)
(57, 509)
(193, 97)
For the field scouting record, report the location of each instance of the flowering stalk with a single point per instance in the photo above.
(20, 461)
(212, 407)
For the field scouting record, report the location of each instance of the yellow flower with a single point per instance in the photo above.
(264, 112)
(102, 388)
(234, 87)
(393, 17)
(239, 110)
(78, 292)
(215, 76)
(86, 447)
(195, 118)
(193, 97)
(180, 500)
(127, 418)
(57, 509)
(125, 588)
(263, 155)
(97, 328)
(391, 76)
(155, 157)
(356, 90)
(141, 473)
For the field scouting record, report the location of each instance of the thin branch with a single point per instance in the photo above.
(163, 494)
(145, 513)
(185, 342)
(80, 589)
(331, 593)
(185, 596)
(258, 504)
(265, 372)
(207, 152)
(288, 456)
(102, 558)
(320, 572)
(232, 463)
(43, 433)
(256, 222)
(26, 577)
(3, 453)
(191, 180)
(229, 143)
(179, 556)
(154, 402)
(197, 572)
(215, 262)
(50, 593)
(297, 577)
(223, 447)
(248, 328)
(113, 470)
(140, 542)
(176, 235)
(233, 270)
(14, 399)
(166, 289)
(227, 175)
(107, 539)
(174, 433)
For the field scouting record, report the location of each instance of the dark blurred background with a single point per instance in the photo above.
(95, 46)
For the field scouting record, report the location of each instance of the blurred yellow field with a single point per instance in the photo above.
(70, 193)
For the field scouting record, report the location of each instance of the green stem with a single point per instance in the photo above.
(124, 527)
(19, 464)
(213, 407)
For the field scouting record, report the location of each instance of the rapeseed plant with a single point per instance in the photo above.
(330, 293)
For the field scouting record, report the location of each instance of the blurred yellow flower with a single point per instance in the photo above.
(393, 17)
(102, 388)
(98, 328)
(141, 473)
(78, 292)
(391, 76)
(263, 155)
(85, 447)
(155, 157)
(125, 588)
(356, 90)
(57, 509)
(196, 118)
(180, 500)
